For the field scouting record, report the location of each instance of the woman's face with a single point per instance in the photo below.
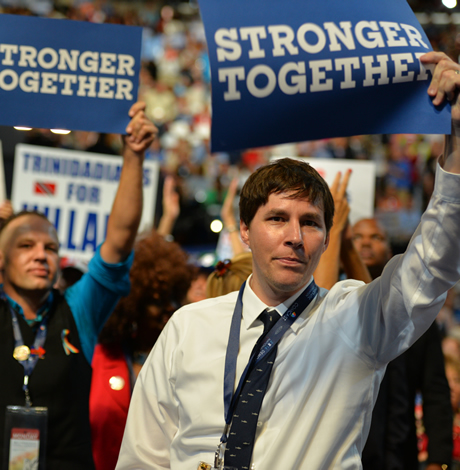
(453, 377)
(197, 289)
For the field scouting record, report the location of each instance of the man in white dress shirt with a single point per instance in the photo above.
(330, 361)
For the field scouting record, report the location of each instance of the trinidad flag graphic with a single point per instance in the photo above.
(47, 189)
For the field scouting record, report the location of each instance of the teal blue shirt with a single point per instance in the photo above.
(91, 299)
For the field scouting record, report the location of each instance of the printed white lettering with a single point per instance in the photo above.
(345, 35)
(299, 82)
(228, 48)
(347, 64)
(318, 79)
(306, 46)
(391, 31)
(401, 68)
(230, 75)
(282, 37)
(372, 70)
(253, 34)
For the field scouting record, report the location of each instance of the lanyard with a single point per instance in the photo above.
(29, 363)
(274, 335)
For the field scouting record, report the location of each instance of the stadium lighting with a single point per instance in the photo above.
(217, 226)
(449, 3)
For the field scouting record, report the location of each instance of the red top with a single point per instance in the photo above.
(108, 404)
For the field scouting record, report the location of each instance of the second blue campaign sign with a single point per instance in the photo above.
(295, 70)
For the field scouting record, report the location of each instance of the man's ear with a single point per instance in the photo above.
(326, 242)
(244, 232)
(2, 261)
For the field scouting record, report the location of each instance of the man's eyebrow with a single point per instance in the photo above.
(312, 215)
(273, 212)
(281, 212)
(20, 238)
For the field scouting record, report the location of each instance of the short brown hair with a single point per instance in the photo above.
(286, 174)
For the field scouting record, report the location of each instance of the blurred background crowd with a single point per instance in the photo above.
(175, 84)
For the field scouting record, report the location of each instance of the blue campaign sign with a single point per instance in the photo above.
(67, 74)
(296, 70)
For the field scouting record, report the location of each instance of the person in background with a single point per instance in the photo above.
(48, 339)
(451, 345)
(6, 211)
(229, 275)
(160, 278)
(197, 290)
(227, 214)
(452, 365)
(341, 251)
(424, 365)
(171, 211)
(171, 208)
(70, 271)
(446, 318)
(389, 427)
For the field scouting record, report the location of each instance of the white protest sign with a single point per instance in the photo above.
(75, 190)
(361, 186)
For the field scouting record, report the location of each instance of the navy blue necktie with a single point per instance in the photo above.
(240, 441)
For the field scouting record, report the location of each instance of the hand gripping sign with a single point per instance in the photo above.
(299, 70)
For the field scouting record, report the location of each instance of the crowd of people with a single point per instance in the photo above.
(416, 418)
(175, 84)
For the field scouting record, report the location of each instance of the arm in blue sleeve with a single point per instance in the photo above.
(93, 298)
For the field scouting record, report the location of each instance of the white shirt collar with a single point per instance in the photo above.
(253, 307)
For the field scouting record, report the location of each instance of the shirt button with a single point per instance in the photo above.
(259, 424)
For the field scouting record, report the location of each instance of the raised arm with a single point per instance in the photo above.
(445, 85)
(171, 207)
(341, 246)
(127, 207)
(229, 221)
(6, 211)
(327, 271)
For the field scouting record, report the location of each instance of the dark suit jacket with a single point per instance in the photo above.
(392, 441)
(384, 449)
(426, 373)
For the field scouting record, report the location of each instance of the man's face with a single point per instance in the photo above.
(371, 243)
(29, 254)
(287, 238)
